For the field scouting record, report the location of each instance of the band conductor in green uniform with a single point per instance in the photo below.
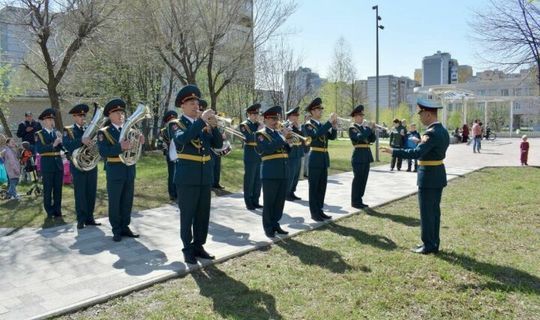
(295, 155)
(48, 143)
(361, 137)
(169, 151)
(252, 160)
(195, 134)
(319, 161)
(274, 149)
(431, 180)
(84, 182)
(120, 177)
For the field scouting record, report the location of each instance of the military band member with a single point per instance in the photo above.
(431, 180)
(252, 160)
(169, 151)
(273, 149)
(48, 143)
(120, 177)
(361, 136)
(319, 161)
(84, 182)
(295, 155)
(196, 133)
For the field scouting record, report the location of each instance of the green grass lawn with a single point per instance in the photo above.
(150, 188)
(361, 268)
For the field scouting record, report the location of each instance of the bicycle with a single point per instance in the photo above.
(489, 135)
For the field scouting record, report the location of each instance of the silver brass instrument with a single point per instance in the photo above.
(225, 125)
(343, 123)
(87, 157)
(295, 137)
(132, 134)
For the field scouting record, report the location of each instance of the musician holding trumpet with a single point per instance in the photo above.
(361, 136)
(295, 155)
(120, 176)
(273, 147)
(194, 135)
(48, 142)
(319, 161)
(252, 160)
(84, 182)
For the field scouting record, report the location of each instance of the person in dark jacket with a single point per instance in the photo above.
(431, 178)
(28, 128)
(361, 136)
(396, 141)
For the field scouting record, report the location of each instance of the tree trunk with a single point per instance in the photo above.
(55, 104)
(7, 130)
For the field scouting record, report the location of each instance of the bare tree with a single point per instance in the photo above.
(342, 72)
(59, 29)
(509, 32)
(274, 63)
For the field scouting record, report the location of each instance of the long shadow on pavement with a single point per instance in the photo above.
(312, 255)
(136, 259)
(378, 241)
(232, 299)
(221, 233)
(408, 221)
(505, 278)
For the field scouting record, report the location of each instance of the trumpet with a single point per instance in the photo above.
(372, 124)
(344, 123)
(227, 125)
(294, 137)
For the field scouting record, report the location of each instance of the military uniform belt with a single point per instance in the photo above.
(430, 162)
(253, 144)
(275, 156)
(319, 149)
(193, 157)
(361, 145)
(114, 159)
(50, 154)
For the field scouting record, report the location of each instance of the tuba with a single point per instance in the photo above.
(87, 157)
(132, 134)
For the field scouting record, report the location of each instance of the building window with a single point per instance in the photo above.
(504, 92)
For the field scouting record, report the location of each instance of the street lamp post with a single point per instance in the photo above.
(377, 27)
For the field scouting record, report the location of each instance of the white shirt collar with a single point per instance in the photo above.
(190, 119)
(316, 121)
(117, 127)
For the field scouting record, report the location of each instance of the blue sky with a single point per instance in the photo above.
(413, 29)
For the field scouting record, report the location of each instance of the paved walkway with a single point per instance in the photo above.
(52, 271)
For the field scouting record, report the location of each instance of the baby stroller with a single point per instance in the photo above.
(31, 168)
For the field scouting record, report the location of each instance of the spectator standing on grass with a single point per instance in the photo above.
(524, 147)
(13, 167)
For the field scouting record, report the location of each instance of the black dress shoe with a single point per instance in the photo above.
(289, 198)
(117, 238)
(278, 230)
(325, 216)
(218, 186)
(257, 206)
(80, 225)
(201, 253)
(129, 233)
(250, 208)
(93, 223)
(423, 250)
(270, 234)
(318, 219)
(190, 258)
(295, 197)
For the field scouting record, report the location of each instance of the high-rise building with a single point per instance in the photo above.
(299, 84)
(418, 75)
(436, 69)
(14, 38)
(392, 91)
